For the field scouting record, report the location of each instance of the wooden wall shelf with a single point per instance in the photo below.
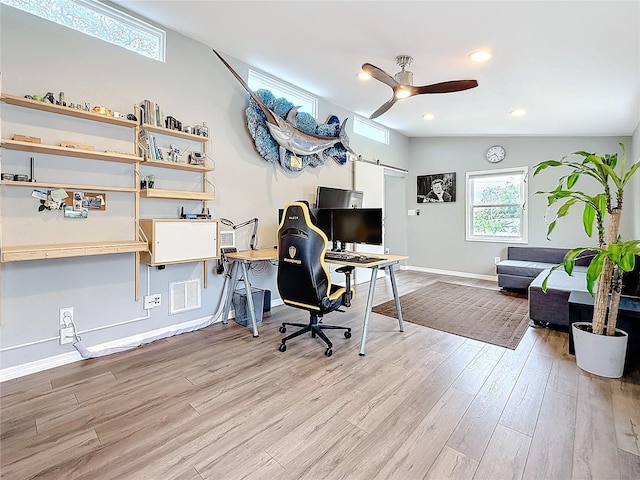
(66, 186)
(176, 194)
(69, 152)
(177, 166)
(71, 112)
(64, 250)
(174, 133)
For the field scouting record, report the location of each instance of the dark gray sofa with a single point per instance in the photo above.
(525, 269)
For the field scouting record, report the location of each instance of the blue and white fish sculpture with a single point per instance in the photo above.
(287, 135)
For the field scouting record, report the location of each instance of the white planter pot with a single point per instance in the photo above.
(600, 354)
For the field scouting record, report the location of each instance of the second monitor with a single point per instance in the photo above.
(357, 225)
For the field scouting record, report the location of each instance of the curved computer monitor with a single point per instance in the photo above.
(329, 197)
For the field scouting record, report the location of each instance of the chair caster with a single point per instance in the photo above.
(328, 352)
(283, 329)
(347, 334)
(282, 347)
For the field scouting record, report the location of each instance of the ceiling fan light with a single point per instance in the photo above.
(428, 116)
(402, 93)
(517, 113)
(362, 75)
(480, 56)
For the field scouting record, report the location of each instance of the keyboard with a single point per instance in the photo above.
(348, 257)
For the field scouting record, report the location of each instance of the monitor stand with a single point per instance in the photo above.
(337, 246)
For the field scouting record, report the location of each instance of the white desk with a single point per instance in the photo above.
(244, 258)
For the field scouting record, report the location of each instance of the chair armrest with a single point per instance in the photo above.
(346, 297)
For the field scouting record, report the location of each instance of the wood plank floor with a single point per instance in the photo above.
(219, 404)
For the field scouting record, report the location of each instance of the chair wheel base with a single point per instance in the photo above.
(283, 329)
(282, 347)
(328, 352)
(347, 334)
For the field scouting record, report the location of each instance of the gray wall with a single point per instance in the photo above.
(436, 238)
(38, 56)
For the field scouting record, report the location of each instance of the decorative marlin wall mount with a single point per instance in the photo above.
(314, 149)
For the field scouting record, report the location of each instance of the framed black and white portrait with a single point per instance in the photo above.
(436, 188)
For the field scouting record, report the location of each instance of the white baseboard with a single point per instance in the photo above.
(478, 276)
(119, 344)
(38, 366)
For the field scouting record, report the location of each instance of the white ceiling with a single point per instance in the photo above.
(574, 66)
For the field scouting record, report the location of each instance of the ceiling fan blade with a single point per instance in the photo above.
(379, 74)
(446, 87)
(383, 108)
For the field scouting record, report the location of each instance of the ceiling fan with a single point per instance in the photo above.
(402, 83)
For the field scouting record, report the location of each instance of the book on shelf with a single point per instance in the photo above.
(151, 114)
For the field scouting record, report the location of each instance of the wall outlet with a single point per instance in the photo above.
(496, 260)
(152, 301)
(66, 335)
(66, 316)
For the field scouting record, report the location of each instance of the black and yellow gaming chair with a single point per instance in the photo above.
(303, 277)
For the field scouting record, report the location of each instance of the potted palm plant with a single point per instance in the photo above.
(611, 257)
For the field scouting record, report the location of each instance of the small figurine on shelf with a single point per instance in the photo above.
(147, 181)
(174, 153)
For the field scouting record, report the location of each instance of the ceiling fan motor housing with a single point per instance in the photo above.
(405, 77)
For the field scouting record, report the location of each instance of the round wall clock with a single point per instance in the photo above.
(496, 154)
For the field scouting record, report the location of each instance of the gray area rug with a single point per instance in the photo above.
(491, 316)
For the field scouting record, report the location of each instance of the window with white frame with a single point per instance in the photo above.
(307, 102)
(371, 130)
(100, 21)
(496, 205)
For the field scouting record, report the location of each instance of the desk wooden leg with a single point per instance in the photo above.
(367, 312)
(247, 286)
(230, 289)
(396, 297)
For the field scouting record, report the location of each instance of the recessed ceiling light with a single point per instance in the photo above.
(517, 113)
(363, 75)
(428, 116)
(480, 56)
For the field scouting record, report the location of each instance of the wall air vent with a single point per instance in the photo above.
(184, 296)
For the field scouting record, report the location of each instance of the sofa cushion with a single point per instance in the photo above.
(551, 255)
(537, 254)
(560, 280)
(523, 268)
